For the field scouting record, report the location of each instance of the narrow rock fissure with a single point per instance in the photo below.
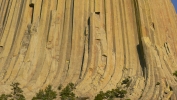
(71, 32)
(41, 9)
(140, 46)
(82, 64)
(32, 13)
(6, 12)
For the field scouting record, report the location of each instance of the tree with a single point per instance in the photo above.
(100, 96)
(48, 94)
(17, 93)
(114, 93)
(4, 97)
(67, 92)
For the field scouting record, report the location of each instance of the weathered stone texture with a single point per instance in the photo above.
(93, 43)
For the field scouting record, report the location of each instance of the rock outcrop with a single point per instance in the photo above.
(93, 43)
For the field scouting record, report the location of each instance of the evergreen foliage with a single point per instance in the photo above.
(126, 81)
(47, 94)
(175, 73)
(158, 83)
(114, 93)
(16, 94)
(4, 97)
(67, 92)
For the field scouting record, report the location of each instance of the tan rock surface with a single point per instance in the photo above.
(93, 43)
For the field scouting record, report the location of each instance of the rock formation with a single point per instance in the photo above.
(93, 43)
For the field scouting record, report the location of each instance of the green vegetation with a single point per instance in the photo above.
(17, 93)
(48, 94)
(67, 92)
(100, 96)
(114, 93)
(175, 73)
(4, 97)
(60, 87)
(158, 83)
(126, 81)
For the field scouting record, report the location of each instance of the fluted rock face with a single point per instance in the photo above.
(93, 43)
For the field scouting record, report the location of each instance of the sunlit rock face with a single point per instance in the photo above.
(95, 44)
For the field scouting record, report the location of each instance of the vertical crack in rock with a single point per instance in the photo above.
(32, 11)
(139, 47)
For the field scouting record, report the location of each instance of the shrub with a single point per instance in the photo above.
(114, 93)
(16, 94)
(175, 73)
(120, 93)
(100, 96)
(126, 81)
(158, 83)
(67, 92)
(4, 97)
(60, 87)
(48, 94)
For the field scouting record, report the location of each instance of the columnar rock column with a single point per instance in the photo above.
(95, 44)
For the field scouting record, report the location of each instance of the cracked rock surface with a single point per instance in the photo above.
(95, 44)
